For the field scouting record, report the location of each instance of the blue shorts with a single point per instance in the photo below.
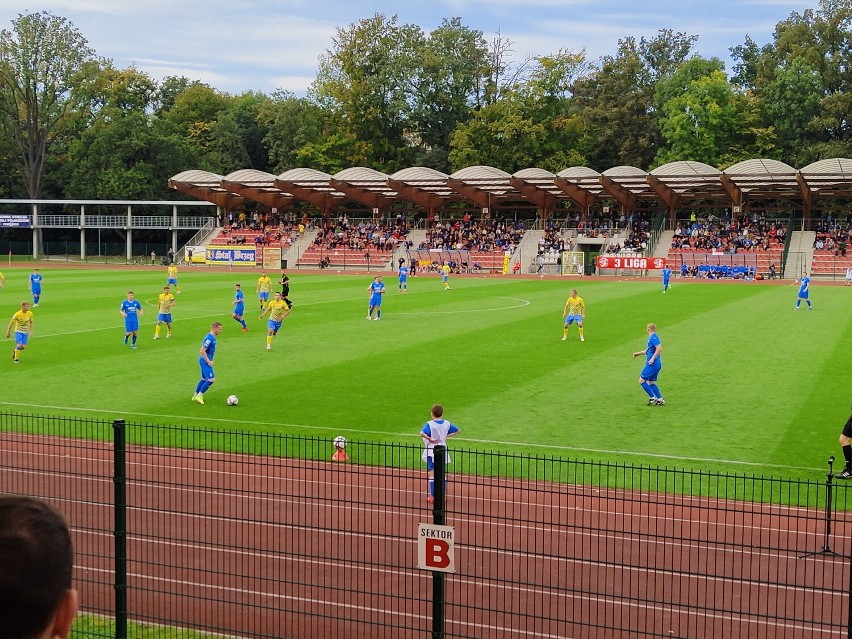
(803, 296)
(375, 300)
(22, 338)
(131, 324)
(164, 317)
(171, 280)
(403, 280)
(445, 277)
(36, 290)
(239, 309)
(263, 295)
(273, 326)
(650, 372)
(573, 318)
(206, 371)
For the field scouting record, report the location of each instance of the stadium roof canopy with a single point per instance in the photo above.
(674, 186)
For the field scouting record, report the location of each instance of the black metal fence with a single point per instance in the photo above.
(254, 535)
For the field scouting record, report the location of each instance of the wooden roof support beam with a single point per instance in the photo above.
(476, 195)
(323, 200)
(733, 191)
(667, 195)
(424, 198)
(264, 196)
(579, 196)
(362, 195)
(541, 198)
(621, 195)
(807, 195)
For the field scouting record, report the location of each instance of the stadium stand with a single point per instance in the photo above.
(832, 247)
(728, 247)
(355, 243)
(487, 240)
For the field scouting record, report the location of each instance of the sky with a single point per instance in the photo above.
(247, 45)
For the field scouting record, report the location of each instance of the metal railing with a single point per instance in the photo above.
(258, 535)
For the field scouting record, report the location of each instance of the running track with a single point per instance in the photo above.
(274, 547)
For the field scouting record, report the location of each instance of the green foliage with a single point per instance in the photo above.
(698, 116)
(44, 61)
(364, 81)
(489, 350)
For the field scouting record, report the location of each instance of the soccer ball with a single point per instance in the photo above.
(233, 400)
(340, 442)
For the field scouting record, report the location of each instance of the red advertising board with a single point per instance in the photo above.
(632, 263)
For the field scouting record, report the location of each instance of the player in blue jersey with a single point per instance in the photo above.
(651, 370)
(130, 310)
(403, 277)
(435, 432)
(240, 307)
(377, 289)
(205, 361)
(667, 274)
(683, 269)
(35, 286)
(804, 290)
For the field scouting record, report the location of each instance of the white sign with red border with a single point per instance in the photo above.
(436, 547)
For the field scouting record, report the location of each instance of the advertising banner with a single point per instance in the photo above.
(634, 263)
(231, 255)
(16, 221)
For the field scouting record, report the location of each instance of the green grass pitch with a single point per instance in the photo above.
(751, 385)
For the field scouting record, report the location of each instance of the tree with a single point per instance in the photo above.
(535, 123)
(291, 123)
(364, 80)
(450, 74)
(698, 117)
(123, 152)
(810, 57)
(617, 101)
(44, 62)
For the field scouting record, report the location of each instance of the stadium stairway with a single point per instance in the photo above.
(527, 251)
(297, 248)
(801, 254)
(664, 243)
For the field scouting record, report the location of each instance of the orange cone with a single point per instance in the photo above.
(339, 455)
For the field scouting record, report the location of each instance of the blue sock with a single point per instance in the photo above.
(432, 487)
(134, 339)
(243, 322)
(798, 303)
(809, 304)
(379, 312)
(198, 386)
(207, 384)
(647, 388)
(125, 340)
(656, 391)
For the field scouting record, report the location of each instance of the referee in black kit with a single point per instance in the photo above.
(285, 288)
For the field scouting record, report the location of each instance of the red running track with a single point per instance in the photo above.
(275, 547)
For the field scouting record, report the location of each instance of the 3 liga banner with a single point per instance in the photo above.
(632, 263)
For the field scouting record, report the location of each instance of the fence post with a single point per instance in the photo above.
(439, 519)
(120, 528)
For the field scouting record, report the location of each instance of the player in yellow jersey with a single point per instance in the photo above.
(171, 277)
(445, 276)
(165, 302)
(574, 311)
(23, 322)
(2, 280)
(264, 284)
(277, 310)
